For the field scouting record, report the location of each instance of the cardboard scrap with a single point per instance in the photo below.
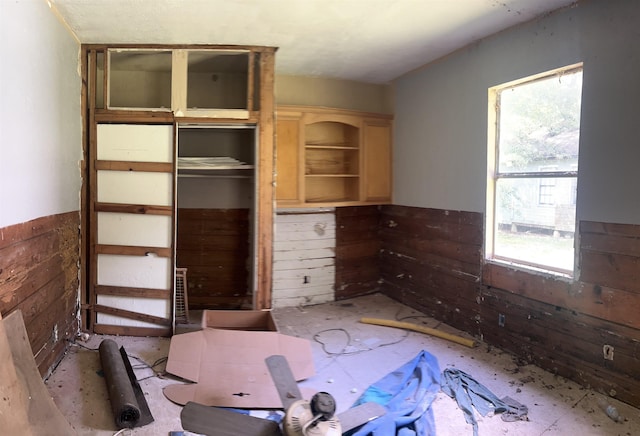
(228, 367)
(254, 320)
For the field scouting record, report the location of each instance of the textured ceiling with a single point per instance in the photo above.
(371, 41)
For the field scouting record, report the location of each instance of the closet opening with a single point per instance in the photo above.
(216, 214)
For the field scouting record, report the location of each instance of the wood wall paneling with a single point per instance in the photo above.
(610, 255)
(357, 251)
(432, 260)
(304, 266)
(39, 276)
(214, 246)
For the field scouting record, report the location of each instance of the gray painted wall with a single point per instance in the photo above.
(440, 147)
(40, 126)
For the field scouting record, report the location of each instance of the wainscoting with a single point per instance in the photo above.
(587, 330)
(214, 246)
(39, 275)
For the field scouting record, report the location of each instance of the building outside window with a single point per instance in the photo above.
(534, 131)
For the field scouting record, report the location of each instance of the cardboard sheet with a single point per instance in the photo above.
(228, 368)
(26, 407)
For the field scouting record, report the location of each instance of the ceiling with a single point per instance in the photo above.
(373, 41)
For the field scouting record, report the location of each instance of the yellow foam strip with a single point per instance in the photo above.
(418, 328)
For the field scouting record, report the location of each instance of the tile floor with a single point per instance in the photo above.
(349, 356)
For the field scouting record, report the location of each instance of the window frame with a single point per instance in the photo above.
(493, 175)
(547, 190)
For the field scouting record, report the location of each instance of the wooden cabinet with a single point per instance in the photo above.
(289, 158)
(332, 157)
(179, 150)
(377, 160)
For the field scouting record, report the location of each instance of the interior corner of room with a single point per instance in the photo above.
(144, 182)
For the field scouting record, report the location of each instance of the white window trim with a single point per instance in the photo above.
(493, 175)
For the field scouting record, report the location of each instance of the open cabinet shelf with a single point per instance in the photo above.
(332, 157)
(332, 161)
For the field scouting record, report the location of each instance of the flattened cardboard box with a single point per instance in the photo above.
(226, 363)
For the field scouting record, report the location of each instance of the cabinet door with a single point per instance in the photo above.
(288, 161)
(378, 161)
(131, 254)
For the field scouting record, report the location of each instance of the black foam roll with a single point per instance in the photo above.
(126, 410)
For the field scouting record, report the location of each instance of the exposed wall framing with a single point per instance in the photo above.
(98, 109)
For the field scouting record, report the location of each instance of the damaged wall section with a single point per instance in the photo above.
(431, 260)
(39, 276)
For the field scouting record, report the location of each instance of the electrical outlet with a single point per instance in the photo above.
(501, 319)
(607, 351)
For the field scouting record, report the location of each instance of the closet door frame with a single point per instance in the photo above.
(221, 171)
(261, 111)
(131, 252)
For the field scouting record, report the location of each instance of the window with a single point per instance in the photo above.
(547, 187)
(534, 130)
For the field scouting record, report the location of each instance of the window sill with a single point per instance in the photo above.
(541, 285)
(530, 268)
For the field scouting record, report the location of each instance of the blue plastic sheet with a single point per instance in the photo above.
(407, 394)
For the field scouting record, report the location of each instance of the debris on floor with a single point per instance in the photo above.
(470, 394)
(349, 357)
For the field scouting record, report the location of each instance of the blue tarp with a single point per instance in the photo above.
(407, 394)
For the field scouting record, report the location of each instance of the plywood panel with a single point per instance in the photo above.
(134, 271)
(135, 142)
(134, 229)
(129, 187)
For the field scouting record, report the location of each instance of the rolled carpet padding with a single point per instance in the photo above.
(128, 411)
